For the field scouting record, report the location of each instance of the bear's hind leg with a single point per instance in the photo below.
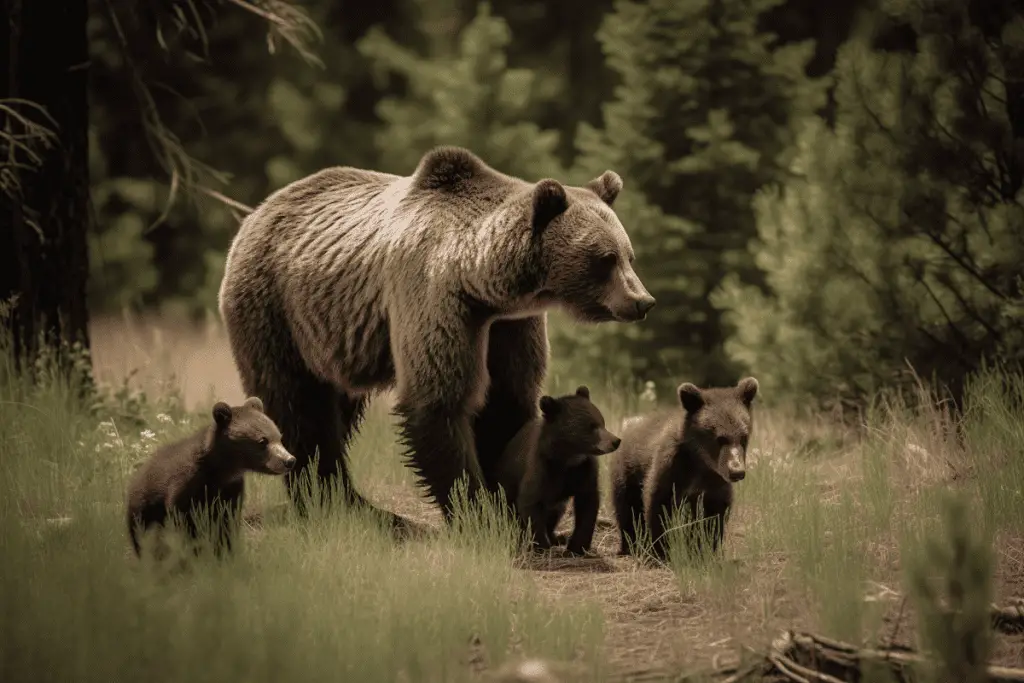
(628, 501)
(555, 514)
(314, 421)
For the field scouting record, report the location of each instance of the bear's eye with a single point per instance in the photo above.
(603, 265)
(723, 441)
(264, 441)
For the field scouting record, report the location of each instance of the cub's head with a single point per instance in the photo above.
(586, 253)
(249, 439)
(718, 423)
(574, 427)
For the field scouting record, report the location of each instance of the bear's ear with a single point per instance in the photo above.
(690, 397)
(446, 168)
(582, 391)
(549, 406)
(549, 202)
(607, 186)
(222, 414)
(748, 389)
(254, 402)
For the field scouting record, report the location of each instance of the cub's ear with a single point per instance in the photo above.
(582, 391)
(690, 397)
(549, 406)
(549, 202)
(254, 402)
(222, 414)
(748, 389)
(607, 186)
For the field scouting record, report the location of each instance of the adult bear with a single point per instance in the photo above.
(350, 281)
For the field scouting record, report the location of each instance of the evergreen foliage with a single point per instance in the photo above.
(462, 94)
(700, 121)
(899, 243)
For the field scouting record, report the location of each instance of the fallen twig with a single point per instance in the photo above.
(809, 658)
(1008, 620)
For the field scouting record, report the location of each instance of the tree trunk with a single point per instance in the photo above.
(43, 249)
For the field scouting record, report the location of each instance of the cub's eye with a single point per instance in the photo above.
(723, 441)
(609, 260)
(264, 441)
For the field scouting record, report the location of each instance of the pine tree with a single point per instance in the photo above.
(465, 96)
(700, 121)
(902, 243)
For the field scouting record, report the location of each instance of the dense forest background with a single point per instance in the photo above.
(824, 194)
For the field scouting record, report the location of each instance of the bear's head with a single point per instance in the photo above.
(718, 424)
(249, 440)
(574, 428)
(587, 256)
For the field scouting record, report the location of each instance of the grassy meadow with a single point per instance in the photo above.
(826, 525)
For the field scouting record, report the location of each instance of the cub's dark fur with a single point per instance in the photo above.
(207, 468)
(699, 448)
(554, 458)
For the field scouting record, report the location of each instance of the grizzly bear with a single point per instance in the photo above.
(349, 282)
(554, 458)
(206, 471)
(671, 458)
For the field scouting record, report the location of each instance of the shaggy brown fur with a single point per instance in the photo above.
(554, 458)
(670, 458)
(349, 281)
(206, 471)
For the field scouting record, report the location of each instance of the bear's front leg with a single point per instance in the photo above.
(517, 358)
(440, 381)
(716, 512)
(586, 501)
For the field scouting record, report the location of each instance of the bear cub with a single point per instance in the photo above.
(670, 458)
(207, 468)
(553, 458)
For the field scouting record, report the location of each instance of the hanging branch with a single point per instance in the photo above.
(21, 140)
(186, 173)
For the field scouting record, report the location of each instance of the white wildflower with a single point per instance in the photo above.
(165, 418)
(147, 435)
(648, 392)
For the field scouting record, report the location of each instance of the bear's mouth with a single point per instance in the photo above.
(598, 313)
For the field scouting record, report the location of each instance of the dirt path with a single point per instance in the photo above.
(656, 627)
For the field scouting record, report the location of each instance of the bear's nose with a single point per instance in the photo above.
(616, 442)
(645, 304)
(289, 462)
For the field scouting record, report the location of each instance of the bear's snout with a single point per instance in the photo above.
(281, 461)
(735, 467)
(643, 305)
(609, 443)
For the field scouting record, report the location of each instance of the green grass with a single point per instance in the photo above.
(825, 516)
(335, 598)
